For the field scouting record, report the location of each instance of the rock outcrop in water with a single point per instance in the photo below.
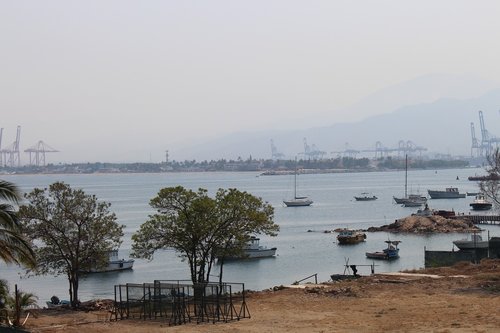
(427, 224)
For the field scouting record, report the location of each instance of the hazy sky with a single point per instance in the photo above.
(126, 80)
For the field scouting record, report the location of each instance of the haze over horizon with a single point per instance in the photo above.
(123, 81)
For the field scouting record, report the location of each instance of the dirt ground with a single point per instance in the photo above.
(463, 298)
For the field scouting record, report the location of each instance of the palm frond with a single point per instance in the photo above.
(9, 192)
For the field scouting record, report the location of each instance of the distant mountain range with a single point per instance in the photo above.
(434, 111)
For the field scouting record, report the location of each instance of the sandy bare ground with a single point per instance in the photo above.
(464, 298)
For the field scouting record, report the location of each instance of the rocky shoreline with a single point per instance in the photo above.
(427, 224)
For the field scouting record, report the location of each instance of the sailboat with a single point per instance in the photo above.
(412, 200)
(297, 201)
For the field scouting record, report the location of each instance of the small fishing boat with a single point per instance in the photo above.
(348, 236)
(253, 250)
(424, 212)
(365, 197)
(114, 264)
(480, 203)
(475, 241)
(389, 253)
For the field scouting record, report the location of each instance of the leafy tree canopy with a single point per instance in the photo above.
(70, 231)
(491, 188)
(201, 228)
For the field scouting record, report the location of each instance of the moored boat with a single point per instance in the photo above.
(297, 201)
(444, 213)
(411, 199)
(253, 250)
(389, 253)
(475, 241)
(365, 197)
(491, 176)
(114, 264)
(413, 203)
(348, 236)
(480, 203)
(426, 212)
(448, 193)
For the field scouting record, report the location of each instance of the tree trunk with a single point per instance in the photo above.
(74, 290)
(220, 274)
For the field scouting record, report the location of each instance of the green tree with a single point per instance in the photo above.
(72, 231)
(200, 228)
(14, 248)
(491, 187)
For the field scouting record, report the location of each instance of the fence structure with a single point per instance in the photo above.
(180, 301)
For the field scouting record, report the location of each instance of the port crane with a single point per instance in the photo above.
(37, 153)
(11, 154)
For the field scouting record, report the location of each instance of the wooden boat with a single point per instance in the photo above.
(365, 197)
(480, 203)
(348, 236)
(444, 213)
(389, 253)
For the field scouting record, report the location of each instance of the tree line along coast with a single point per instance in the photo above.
(64, 231)
(266, 166)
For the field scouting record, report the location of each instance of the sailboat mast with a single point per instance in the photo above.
(295, 181)
(406, 176)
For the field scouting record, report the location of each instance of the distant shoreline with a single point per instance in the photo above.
(261, 173)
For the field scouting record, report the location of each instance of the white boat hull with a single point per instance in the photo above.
(254, 250)
(297, 202)
(115, 265)
(262, 253)
(470, 245)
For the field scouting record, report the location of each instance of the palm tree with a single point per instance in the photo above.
(14, 248)
(4, 293)
(13, 305)
(4, 301)
(19, 302)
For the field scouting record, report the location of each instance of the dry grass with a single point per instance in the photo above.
(370, 304)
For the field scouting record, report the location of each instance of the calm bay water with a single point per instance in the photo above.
(300, 253)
